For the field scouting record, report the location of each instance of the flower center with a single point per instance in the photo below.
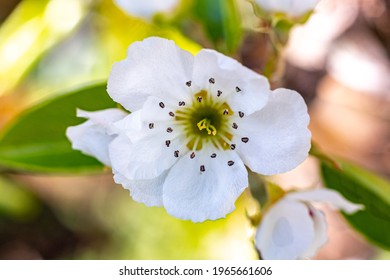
(205, 122)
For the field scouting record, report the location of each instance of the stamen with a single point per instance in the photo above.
(230, 162)
(188, 83)
(241, 114)
(224, 138)
(206, 124)
(233, 146)
(182, 103)
(176, 154)
(192, 155)
(202, 168)
(226, 112)
(151, 125)
(219, 145)
(212, 81)
(245, 139)
(181, 113)
(200, 98)
(171, 114)
(235, 126)
(168, 142)
(197, 139)
(219, 93)
(238, 89)
(214, 155)
(162, 105)
(169, 129)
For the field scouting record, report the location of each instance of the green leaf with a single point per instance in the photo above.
(222, 22)
(364, 187)
(37, 141)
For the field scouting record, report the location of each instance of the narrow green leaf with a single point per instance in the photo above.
(222, 22)
(364, 187)
(37, 141)
(232, 25)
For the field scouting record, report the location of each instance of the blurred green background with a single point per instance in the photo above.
(49, 48)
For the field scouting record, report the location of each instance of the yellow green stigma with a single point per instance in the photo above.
(206, 124)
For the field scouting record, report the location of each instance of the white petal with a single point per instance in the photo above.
(151, 112)
(148, 157)
(190, 194)
(148, 120)
(229, 74)
(320, 232)
(119, 150)
(153, 67)
(130, 125)
(145, 9)
(289, 7)
(274, 5)
(148, 192)
(91, 137)
(285, 232)
(332, 197)
(91, 140)
(103, 118)
(301, 7)
(279, 139)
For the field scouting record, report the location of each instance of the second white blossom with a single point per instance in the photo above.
(294, 8)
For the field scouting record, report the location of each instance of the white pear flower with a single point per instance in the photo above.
(195, 122)
(294, 8)
(146, 8)
(294, 229)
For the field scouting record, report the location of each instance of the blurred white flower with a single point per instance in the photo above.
(310, 44)
(146, 8)
(293, 8)
(293, 229)
(196, 121)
